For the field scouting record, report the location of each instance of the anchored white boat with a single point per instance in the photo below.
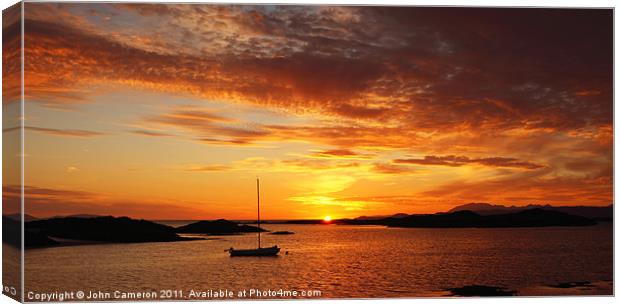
(259, 251)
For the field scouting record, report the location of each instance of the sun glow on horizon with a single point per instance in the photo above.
(327, 219)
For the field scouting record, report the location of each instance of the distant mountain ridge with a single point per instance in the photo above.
(378, 217)
(18, 217)
(30, 218)
(81, 215)
(592, 212)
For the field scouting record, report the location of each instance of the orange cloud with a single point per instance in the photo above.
(149, 133)
(65, 132)
(340, 153)
(11, 54)
(420, 81)
(391, 169)
(457, 161)
(209, 168)
(528, 187)
(47, 202)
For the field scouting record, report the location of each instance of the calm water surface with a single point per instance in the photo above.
(340, 261)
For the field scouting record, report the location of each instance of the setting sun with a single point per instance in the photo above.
(327, 219)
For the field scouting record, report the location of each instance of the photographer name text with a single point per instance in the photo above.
(177, 294)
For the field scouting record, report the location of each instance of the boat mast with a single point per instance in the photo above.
(258, 205)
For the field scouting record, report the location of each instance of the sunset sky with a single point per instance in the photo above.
(171, 111)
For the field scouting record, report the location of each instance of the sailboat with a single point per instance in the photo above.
(259, 251)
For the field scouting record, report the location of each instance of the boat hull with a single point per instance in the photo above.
(270, 251)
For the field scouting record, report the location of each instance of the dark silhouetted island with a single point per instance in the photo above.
(572, 284)
(469, 219)
(11, 234)
(106, 229)
(481, 291)
(217, 227)
(282, 232)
